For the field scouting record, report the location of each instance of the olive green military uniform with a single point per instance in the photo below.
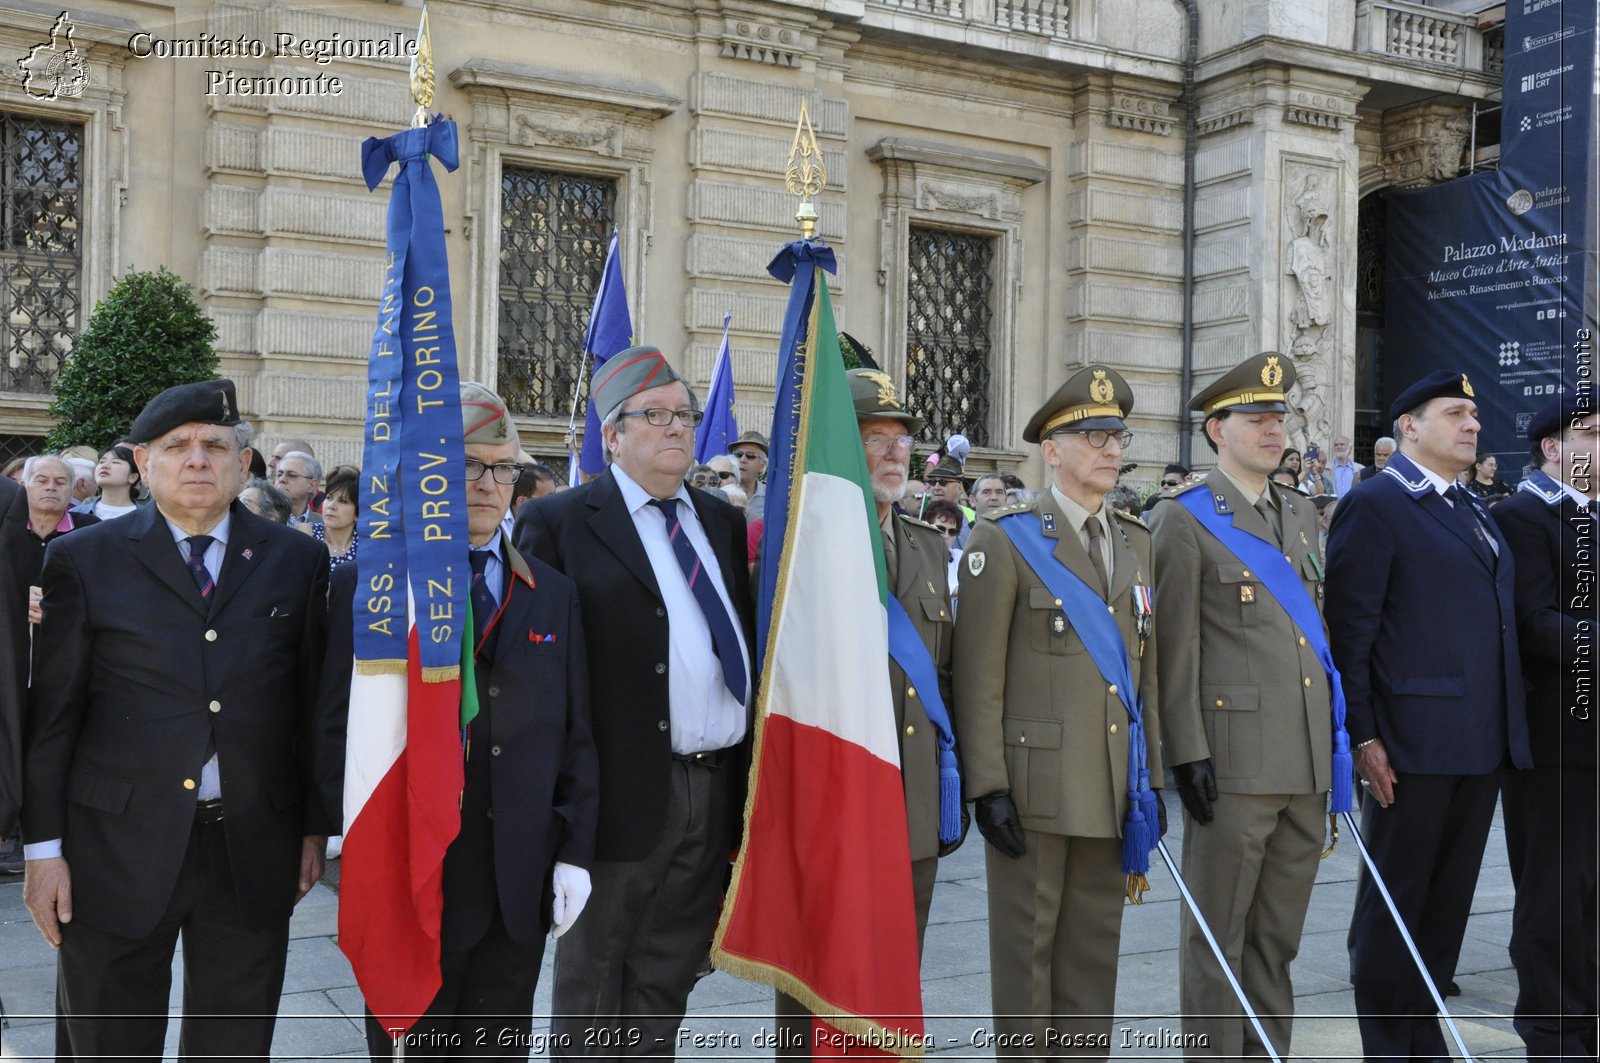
(1033, 715)
(1241, 685)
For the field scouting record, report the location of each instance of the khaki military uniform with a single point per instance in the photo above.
(915, 557)
(1241, 686)
(1034, 716)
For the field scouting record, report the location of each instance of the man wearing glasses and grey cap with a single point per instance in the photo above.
(669, 625)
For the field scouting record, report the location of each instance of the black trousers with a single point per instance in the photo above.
(625, 969)
(1550, 842)
(111, 991)
(1428, 846)
(484, 1008)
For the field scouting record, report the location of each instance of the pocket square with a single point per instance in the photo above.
(534, 636)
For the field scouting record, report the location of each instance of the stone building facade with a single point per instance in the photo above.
(1006, 190)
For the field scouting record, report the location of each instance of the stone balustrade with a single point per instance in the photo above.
(1422, 34)
(1047, 18)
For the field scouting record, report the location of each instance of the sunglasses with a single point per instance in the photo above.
(948, 532)
(703, 481)
(747, 455)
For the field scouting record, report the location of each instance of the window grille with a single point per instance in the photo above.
(950, 310)
(554, 231)
(41, 248)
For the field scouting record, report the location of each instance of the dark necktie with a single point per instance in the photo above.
(198, 545)
(1096, 534)
(483, 603)
(1469, 520)
(1265, 509)
(723, 637)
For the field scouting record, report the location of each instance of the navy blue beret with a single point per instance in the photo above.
(203, 402)
(1439, 384)
(1560, 411)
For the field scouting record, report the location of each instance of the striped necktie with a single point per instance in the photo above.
(198, 545)
(723, 638)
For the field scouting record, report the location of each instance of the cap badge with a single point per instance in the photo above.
(1272, 372)
(1466, 386)
(886, 395)
(1101, 389)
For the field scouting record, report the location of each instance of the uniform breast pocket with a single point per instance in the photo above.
(1312, 576)
(1239, 584)
(1049, 630)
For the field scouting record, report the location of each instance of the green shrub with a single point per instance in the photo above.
(147, 335)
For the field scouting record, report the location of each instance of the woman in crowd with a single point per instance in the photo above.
(1483, 484)
(340, 508)
(946, 516)
(117, 477)
(1291, 461)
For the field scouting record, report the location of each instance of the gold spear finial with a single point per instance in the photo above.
(806, 175)
(422, 72)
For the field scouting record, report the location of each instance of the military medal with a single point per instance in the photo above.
(1316, 563)
(1143, 607)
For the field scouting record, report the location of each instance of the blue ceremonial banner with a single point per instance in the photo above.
(413, 514)
(720, 428)
(1493, 274)
(796, 263)
(610, 330)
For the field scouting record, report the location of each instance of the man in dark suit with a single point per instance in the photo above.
(1549, 811)
(665, 591)
(1423, 627)
(13, 651)
(168, 759)
(520, 863)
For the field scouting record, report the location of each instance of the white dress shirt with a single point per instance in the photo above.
(704, 714)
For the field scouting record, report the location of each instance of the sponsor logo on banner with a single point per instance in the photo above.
(1532, 82)
(1520, 201)
(55, 69)
(1531, 43)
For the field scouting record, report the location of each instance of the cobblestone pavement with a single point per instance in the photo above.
(321, 1009)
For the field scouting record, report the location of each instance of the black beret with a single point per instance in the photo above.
(1559, 412)
(1442, 383)
(203, 402)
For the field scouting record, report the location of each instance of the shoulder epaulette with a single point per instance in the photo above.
(1129, 517)
(919, 522)
(1006, 511)
(1194, 480)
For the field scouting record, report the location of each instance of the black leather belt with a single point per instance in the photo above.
(208, 811)
(710, 759)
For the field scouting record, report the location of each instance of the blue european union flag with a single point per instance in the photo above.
(720, 427)
(610, 330)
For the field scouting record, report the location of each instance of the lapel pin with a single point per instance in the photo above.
(246, 555)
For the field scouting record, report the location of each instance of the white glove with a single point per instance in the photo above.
(572, 888)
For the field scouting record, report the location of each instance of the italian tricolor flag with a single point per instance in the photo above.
(402, 809)
(821, 902)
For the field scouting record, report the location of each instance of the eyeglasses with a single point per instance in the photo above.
(703, 480)
(747, 455)
(880, 444)
(661, 416)
(1173, 482)
(286, 474)
(1098, 437)
(947, 531)
(725, 476)
(505, 472)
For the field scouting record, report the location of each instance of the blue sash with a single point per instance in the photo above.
(911, 654)
(1283, 583)
(1102, 638)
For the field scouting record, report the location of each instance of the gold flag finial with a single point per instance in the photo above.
(806, 175)
(422, 72)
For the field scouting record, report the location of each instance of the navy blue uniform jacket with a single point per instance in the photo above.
(134, 672)
(532, 785)
(1423, 627)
